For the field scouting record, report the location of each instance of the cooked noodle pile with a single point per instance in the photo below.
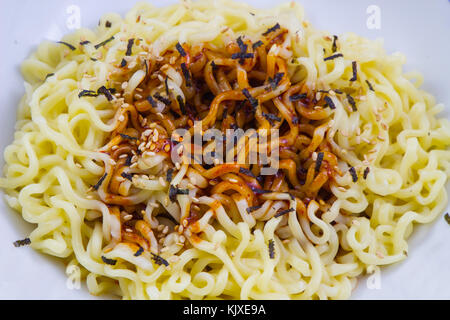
(361, 154)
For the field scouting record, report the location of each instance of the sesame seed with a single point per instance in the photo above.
(175, 137)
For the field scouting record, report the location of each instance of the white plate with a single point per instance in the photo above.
(419, 29)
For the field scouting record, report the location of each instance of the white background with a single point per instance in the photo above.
(418, 28)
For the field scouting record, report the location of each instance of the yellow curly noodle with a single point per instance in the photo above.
(54, 161)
